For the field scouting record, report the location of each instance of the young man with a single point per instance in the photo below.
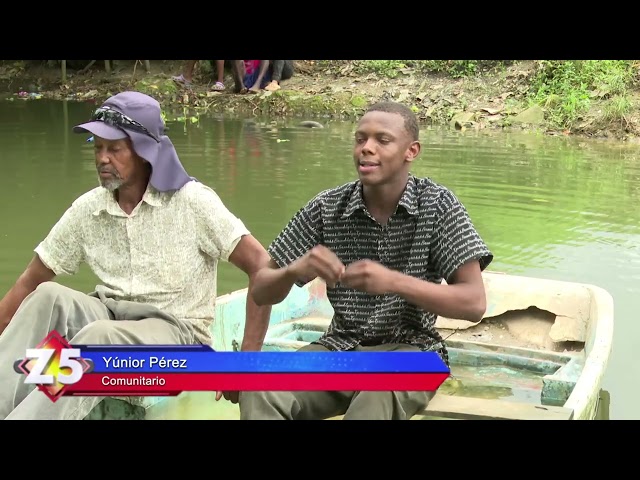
(152, 234)
(383, 244)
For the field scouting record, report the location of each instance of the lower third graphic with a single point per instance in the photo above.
(53, 365)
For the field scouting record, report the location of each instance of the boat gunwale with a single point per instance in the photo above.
(595, 354)
(596, 351)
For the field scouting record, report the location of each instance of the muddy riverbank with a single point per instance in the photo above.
(492, 99)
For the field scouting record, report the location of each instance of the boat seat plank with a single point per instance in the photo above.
(465, 408)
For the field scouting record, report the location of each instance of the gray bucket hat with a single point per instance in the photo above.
(138, 116)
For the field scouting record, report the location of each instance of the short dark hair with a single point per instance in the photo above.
(410, 120)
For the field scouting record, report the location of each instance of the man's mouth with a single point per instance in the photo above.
(106, 173)
(366, 166)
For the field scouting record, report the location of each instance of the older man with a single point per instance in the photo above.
(152, 234)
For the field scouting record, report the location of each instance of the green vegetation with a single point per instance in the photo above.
(590, 97)
(566, 89)
(570, 87)
(453, 68)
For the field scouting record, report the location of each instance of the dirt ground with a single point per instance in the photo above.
(319, 90)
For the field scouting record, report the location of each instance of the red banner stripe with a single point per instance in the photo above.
(105, 384)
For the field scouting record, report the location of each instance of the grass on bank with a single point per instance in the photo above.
(571, 92)
(567, 89)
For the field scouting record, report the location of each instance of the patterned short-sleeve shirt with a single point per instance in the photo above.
(165, 253)
(429, 236)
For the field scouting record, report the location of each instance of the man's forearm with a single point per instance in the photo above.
(256, 325)
(460, 301)
(272, 285)
(13, 299)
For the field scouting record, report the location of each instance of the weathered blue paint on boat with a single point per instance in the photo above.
(526, 376)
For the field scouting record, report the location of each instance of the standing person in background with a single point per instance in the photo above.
(186, 77)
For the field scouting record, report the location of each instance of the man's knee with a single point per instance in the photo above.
(253, 397)
(414, 402)
(269, 405)
(258, 405)
(99, 332)
(47, 296)
(253, 401)
(50, 291)
(376, 397)
(313, 347)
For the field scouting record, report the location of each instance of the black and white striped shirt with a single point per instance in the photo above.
(429, 236)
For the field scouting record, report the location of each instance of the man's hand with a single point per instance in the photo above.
(247, 346)
(35, 274)
(368, 276)
(231, 396)
(318, 262)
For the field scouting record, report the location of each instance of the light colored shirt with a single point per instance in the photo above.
(165, 253)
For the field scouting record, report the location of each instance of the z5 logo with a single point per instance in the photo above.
(53, 365)
(68, 359)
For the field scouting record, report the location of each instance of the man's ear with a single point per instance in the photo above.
(412, 151)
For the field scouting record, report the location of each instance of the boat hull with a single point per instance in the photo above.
(540, 351)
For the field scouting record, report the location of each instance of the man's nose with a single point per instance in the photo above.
(102, 158)
(368, 146)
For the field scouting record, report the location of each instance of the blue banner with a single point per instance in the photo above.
(202, 359)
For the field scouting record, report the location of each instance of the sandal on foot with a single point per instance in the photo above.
(181, 80)
(218, 87)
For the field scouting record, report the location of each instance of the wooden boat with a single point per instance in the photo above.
(540, 352)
